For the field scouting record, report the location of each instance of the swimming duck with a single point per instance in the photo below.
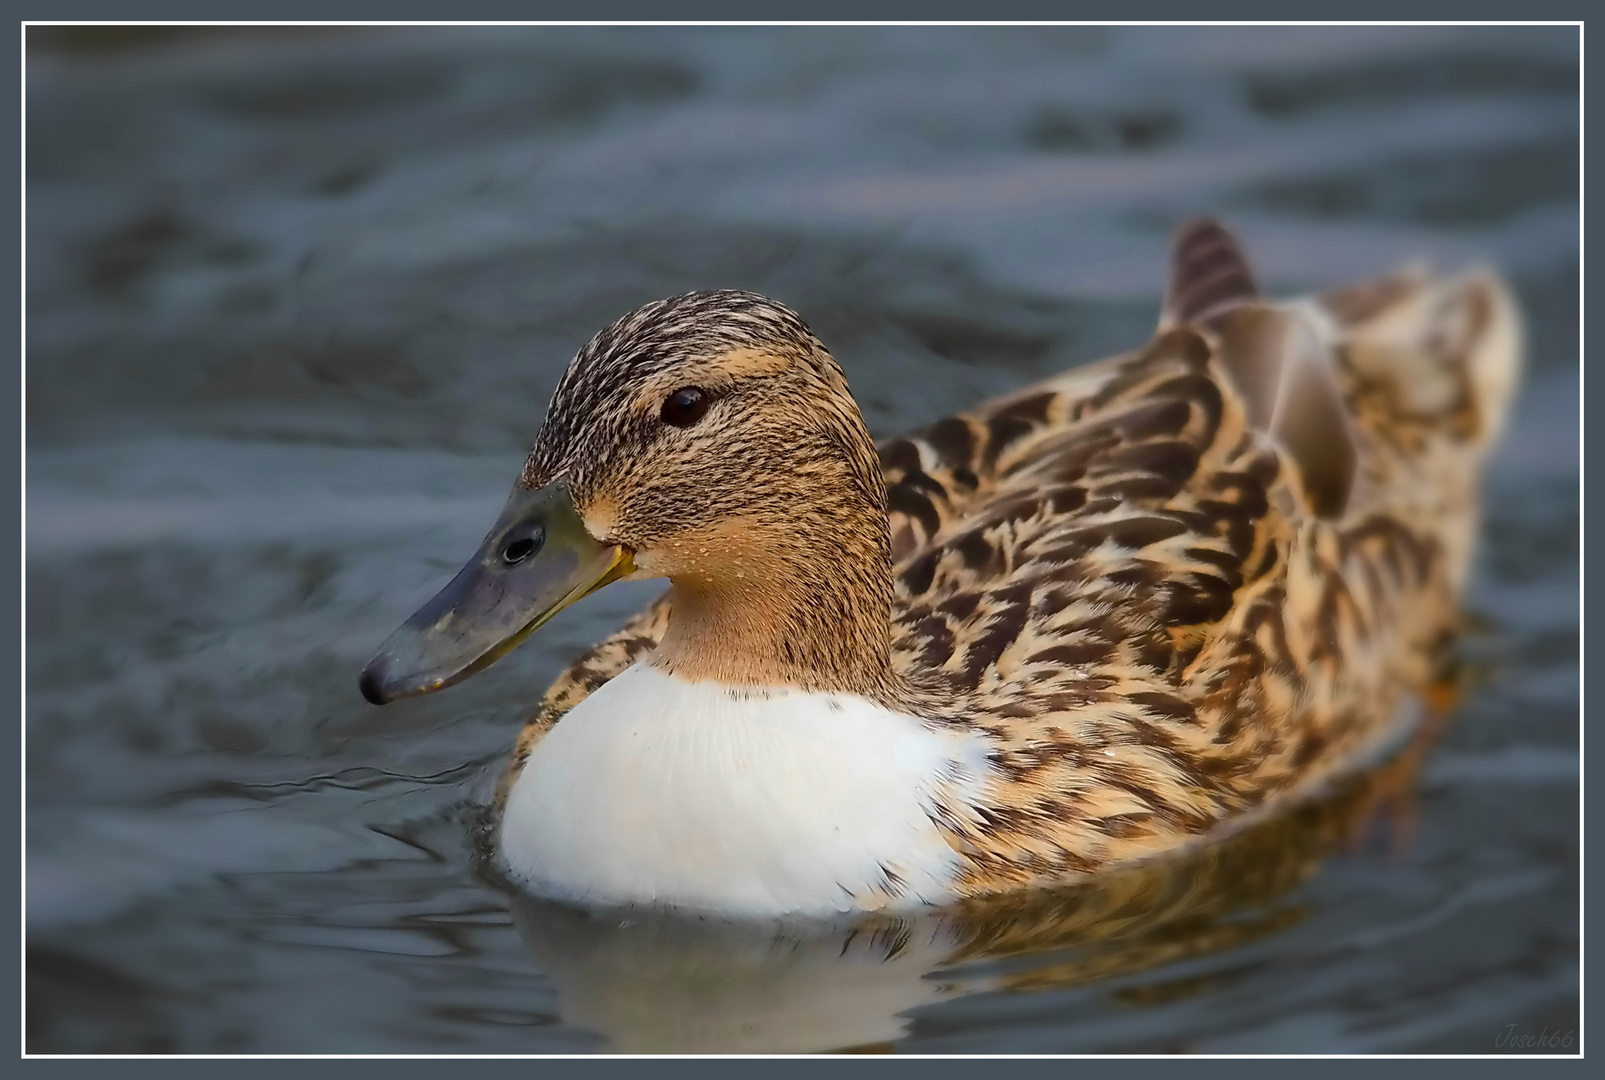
(1100, 619)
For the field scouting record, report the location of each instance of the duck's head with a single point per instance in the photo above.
(709, 439)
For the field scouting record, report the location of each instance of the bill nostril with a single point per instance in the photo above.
(519, 550)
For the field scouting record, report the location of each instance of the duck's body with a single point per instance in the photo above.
(1082, 625)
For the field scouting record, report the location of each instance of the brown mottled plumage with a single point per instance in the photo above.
(1170, 588)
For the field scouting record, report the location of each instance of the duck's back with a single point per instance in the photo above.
(1179, 583)
(1187, 581)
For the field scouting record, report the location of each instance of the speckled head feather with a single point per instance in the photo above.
(675, 334)
(769, 510)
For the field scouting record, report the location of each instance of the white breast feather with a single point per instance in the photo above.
(658, 790)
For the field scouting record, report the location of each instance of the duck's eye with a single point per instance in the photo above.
(517, 551)
(685, 406)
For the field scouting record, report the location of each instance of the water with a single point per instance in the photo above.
(296, 303)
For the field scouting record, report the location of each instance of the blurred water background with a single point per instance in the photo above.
(295, 303)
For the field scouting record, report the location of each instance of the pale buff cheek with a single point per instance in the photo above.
(649, 564)
(730, 551)
(690, 556)
(600, 519)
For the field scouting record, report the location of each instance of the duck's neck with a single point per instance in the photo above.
(800, 599)
(819, 635)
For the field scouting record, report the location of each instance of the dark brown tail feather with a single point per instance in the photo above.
(1284, 376)
(1207, 273)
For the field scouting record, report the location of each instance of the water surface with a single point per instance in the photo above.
(295, 305)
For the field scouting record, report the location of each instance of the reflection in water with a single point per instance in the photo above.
(657, 982)
(654, 983)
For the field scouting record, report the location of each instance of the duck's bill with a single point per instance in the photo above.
(537, 560)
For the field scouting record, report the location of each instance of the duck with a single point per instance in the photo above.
(1098, 621)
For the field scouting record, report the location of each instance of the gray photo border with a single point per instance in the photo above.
(604, 11)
